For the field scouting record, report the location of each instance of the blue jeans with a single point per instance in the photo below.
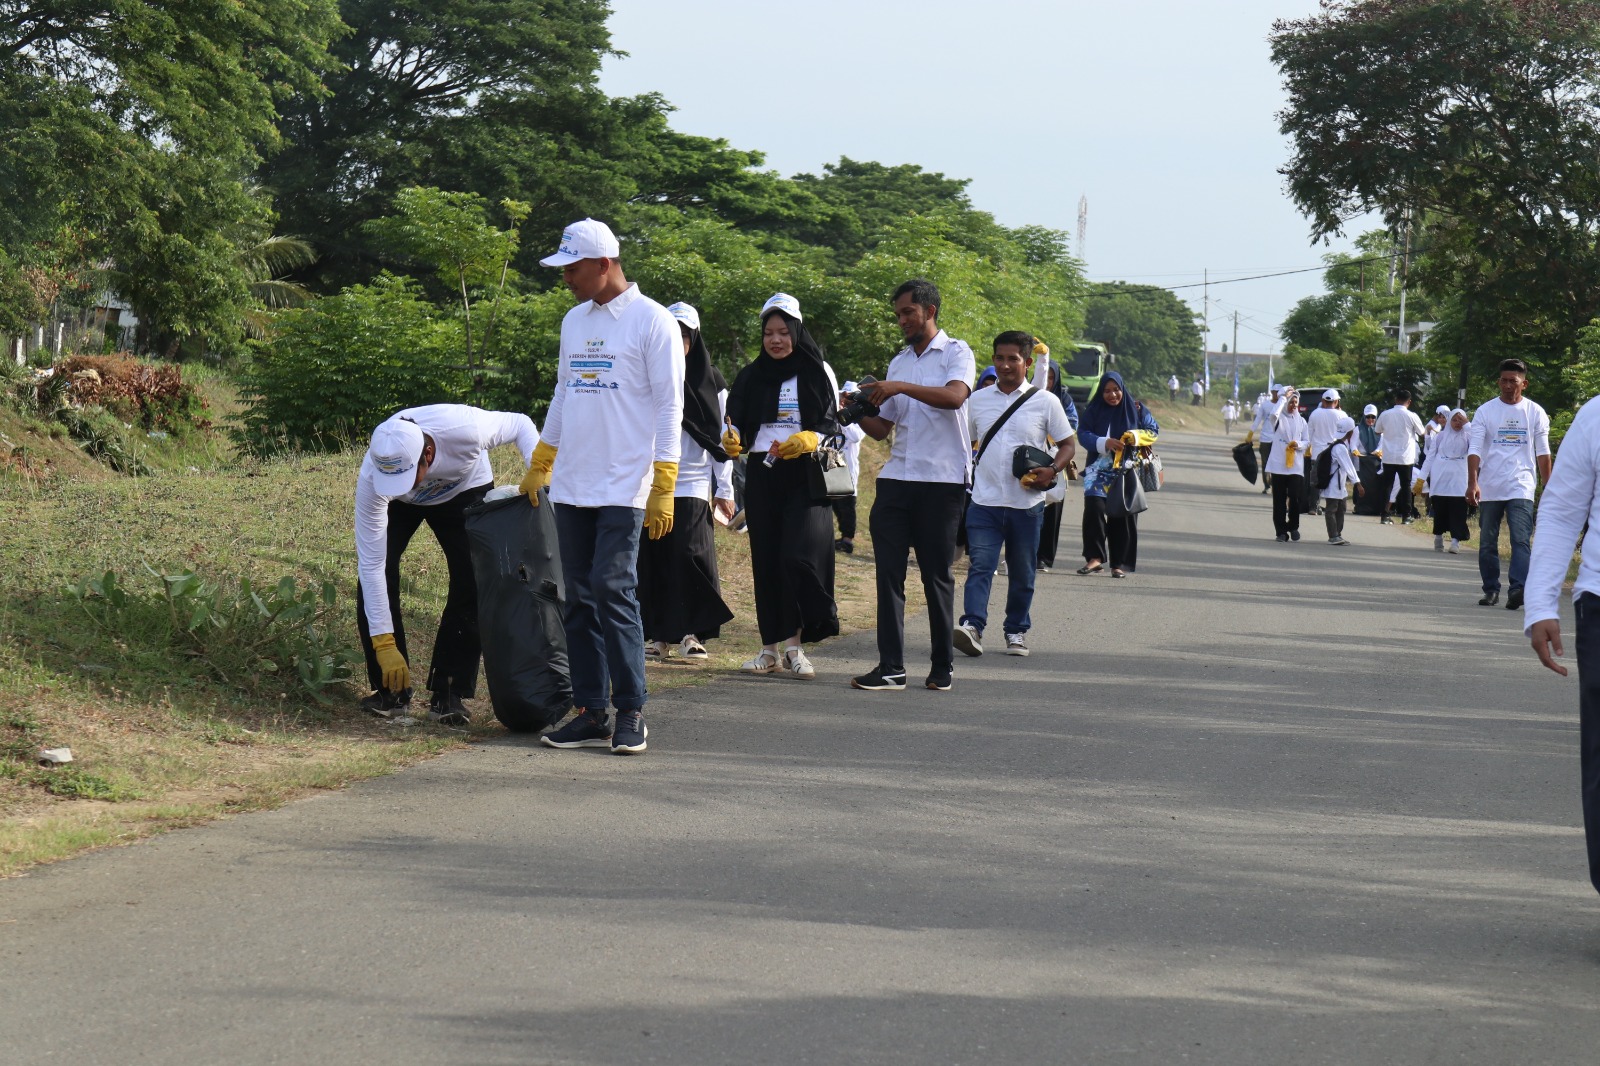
(988, 528)
(1520, 514)
(605, 638)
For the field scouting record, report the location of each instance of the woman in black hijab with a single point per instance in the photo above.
(680, 597)
(782, 405)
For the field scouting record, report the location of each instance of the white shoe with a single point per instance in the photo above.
(967, 640)
(656, 649)
(765, 662)
(1016, 644)
(1455, 546)
(795, 661)
(691, 648)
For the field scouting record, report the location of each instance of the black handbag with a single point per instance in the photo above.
(829, 473)
(1150, 474)
(1025, 457)
(1125, 494)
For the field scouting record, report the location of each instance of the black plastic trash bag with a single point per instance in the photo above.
(1244, 453)
(518, 567)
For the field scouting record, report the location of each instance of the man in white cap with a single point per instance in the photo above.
(1322, 427)
(618, 407)
(425, 464)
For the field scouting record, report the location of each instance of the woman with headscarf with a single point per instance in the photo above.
(680, 596)
(1446, 471)
(783, 404)
(1047, 376)
(1368, 442)
(1112, 422)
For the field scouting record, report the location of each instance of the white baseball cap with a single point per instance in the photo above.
(782, 301)
(1370, 409)
(586, 239)
(685, 314)
(1344, 425)
(395, 448)
(1330, 394)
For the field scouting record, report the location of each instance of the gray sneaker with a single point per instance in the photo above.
(1016, 644)
(967, 639)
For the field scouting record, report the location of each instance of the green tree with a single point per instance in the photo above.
(1480, 116)
(1151, 331)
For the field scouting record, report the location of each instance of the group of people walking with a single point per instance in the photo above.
(637, 458)
(1491, 460)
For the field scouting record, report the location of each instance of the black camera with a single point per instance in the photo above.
(857, 406)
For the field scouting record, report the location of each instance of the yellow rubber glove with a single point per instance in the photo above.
(1289, 453)
(730, 443)
(538, 475)
(1139, 438)
(803, 443)
(396, 674)
(1250, 438)
(658, 506)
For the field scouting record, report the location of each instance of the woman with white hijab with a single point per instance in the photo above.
(1446, 471)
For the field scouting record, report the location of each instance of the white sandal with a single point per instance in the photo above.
(795, 661)
(765, 662)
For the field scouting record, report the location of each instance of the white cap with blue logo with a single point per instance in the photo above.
(782, 301)
(395, 448)
(685, 314)
(586, 239)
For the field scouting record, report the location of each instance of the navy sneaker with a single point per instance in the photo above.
(939, 679)
(628, 738)
(878, 681)
(586, 729)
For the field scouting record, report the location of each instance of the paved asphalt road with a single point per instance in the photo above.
(1260, 803)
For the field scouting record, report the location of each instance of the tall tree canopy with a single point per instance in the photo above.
(1482, 116)
(1150, 331)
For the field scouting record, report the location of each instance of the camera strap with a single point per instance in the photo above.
(1009, 411)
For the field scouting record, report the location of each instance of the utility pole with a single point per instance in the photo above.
(1236, 350)
(1205, 328)
(1083, 229)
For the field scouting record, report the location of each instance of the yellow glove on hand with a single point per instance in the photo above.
(396, 674)
(658, 506)
(803, 443)
(730, 443)
(538, 475)
(1250, 438)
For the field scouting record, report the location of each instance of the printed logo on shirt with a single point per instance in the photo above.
(1512, 434)
(429, 491)
(590, 369)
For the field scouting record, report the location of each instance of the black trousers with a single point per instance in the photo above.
(1450, 517)
(922, 517)
(1114, 541)
(1288, 491)
(845, 511)
(1402, 503)
(1587, 610)
(791, 552)
(679, 591)
(1050, 534)
(456, 650)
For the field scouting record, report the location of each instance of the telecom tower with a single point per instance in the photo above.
(1083, 228)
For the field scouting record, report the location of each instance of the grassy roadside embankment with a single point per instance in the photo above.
(167, 731)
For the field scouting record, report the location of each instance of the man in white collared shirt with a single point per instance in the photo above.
(923, 486)
(1263, 429)
(619, 390)
(1400, 429)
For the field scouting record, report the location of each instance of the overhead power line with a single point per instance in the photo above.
(1132, 289)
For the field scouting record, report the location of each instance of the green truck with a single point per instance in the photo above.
(1082, 365)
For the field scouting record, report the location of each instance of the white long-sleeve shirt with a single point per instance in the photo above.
(1287, 425)
(1322, 426)
(1262, 425)
(618, 404)
(699, 476)
(463, 437)
(1343, 470)
(1571, 498)
(1400, 429)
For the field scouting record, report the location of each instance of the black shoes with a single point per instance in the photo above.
(1492, 598)
(1283, 538)
(1513, 599)
(939, 679)
(1294, 534)
(878, 681)
(846, 545)
(388, 704)
(448, 710)
(586, 729)
(628, 736)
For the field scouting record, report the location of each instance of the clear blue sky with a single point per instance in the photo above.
(1161, 112)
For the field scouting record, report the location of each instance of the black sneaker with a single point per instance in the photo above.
(939, 679)
(1513, 599)
(388, 704)
(586, 729)
(448, 710)
(846, 545)
(1283, 538)
(878, 681)
(628, 737)
(1490, 599)
(1386, 521)
(1294, 534)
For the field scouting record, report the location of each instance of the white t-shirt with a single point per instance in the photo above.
(930, 444)
(700, 477)
(1399, 427)
(1037, 422)
(1571, 499)
(1343, 470)
(462, 436)
(1508, 439)
(788, 423)
(1446, 465)
(618, 404)
(1322, 426)
(1262, 424)
(1197, 389)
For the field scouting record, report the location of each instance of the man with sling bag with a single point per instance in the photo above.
(1015, 423)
